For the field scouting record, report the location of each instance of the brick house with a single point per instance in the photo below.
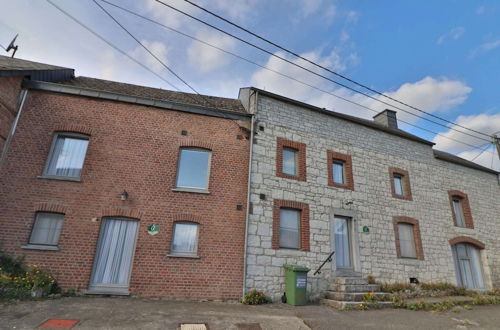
(122, 189)
(384, 200)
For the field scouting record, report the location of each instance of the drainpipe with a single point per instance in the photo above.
(248, 192)
(23, 94)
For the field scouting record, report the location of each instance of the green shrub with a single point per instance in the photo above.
(371, 279)
(11, 266)
(254, 297)
(34, 280)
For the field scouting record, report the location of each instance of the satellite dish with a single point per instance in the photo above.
(12, 46)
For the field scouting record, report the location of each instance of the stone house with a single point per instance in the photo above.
(384, 200)
(122, 189)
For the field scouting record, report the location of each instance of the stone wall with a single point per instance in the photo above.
(373, 153)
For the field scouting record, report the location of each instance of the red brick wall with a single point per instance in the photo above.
(9, 96)
(133, 148)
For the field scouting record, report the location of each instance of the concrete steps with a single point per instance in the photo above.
(349, 292)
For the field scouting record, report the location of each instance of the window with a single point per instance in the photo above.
(406, 240)
(338, 172)
(67, 155)
(460, 209)
(185, 239)
(400, 183)
(289, 161)
(46, 229)
(193, 170)
(459, 212)
(289, 228)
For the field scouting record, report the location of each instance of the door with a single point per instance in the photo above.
(468, 266)
(114, 255)
(342, 236)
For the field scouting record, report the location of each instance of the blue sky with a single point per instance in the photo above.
(440, 56)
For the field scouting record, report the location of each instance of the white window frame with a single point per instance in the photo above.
(342, 163)
(209, 166)
(414, 245)
(296, 160)
(459, 216)
(401, 185)
(58, 135)
(193, 254)
(299, 243)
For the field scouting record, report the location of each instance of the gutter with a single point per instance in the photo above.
(24, 93)
(247, 218)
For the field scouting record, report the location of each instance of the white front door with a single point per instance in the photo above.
(342, 237)
(114, 255)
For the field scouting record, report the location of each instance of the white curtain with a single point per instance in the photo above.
(289, 228)
(338, 172)
(185, 238)
(459, 214)
(407, 240)
(289, 161)
(114, 255)
(398, 185)
(342, 249)
(469, 266)
(46, 229)
(67, 157)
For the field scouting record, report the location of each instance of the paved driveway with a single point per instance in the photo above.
(135, 313)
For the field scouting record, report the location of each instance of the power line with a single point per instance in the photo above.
(280, 73)
(111, 44)
(312, 72)
(325, 68)
(479, 154)
(146, 48)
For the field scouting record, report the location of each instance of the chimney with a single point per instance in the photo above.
(387, 118)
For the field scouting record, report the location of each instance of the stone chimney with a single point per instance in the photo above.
(387, 118)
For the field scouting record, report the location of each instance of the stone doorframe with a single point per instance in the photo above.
(354, 232)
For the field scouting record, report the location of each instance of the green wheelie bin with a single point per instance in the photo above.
(296, 284)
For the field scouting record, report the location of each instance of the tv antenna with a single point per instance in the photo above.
(12, 46)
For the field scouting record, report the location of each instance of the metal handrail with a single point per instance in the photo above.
(329, 259)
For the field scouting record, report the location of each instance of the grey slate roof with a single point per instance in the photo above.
(33, 70)
(233, 105)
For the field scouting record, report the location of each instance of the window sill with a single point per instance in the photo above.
(191, 190)
(189, 256)
(40, 247)
(60, 178)
(402, 197)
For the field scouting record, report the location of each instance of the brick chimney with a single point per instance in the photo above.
(387, 118)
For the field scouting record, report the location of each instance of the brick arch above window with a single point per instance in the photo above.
(184, 217)
(468, 240)
(50, 207)
(193, 143)
(416, 235)
(121, 212)
(74, 128)
(469, 222)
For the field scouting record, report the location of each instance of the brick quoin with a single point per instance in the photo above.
(469, 222)
(416, 235)
(304, 222)
(133, 148)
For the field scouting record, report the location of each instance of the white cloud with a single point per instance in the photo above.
(310, 7)
(166, 15)
(157, 48)
(239, 10)
(484, 123)
(454, 34)
(352, 16)
(344, 36)
(480, 10)
(485, 47)
(205, 58)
